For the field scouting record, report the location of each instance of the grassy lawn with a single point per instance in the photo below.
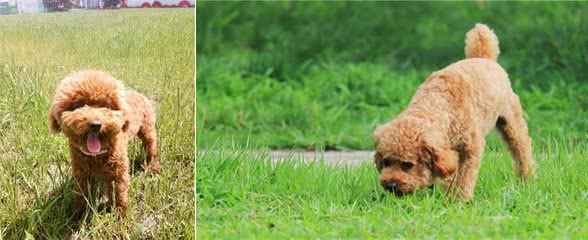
(324, 75)
(152, 51)
(242, 195)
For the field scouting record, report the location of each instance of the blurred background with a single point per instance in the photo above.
(324, 75)
(35, 6)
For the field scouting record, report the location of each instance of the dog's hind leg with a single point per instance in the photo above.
(513, 129)
(148, 135)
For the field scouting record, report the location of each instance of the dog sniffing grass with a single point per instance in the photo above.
(152, 51)
(326, 74)
(441, 135)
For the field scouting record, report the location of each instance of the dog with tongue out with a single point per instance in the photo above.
(99, 117)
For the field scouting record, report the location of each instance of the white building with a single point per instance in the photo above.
(30, 6)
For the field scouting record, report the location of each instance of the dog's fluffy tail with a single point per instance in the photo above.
(481, 42)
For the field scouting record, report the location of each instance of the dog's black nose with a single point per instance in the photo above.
(390, 186)
(95, 126)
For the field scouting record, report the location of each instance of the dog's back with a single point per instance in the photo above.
(476, 87)
(140, 111)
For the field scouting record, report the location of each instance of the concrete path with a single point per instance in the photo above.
(353, 158)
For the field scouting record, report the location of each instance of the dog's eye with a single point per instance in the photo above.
(386, 162)
(406, 166)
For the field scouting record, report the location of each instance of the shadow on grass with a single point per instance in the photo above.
(50, 217)
(137, 164)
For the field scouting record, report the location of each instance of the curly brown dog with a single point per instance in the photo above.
(441, 134)
(99, 116)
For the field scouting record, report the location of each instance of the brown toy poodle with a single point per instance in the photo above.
(440, 136)
(99, 116)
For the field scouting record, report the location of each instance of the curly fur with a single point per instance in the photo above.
(90, 97)
(481, 42)
(441, 135)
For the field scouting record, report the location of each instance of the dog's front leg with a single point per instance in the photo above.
(121, 182)
(81, 191)
(470, 165)
(109, 184)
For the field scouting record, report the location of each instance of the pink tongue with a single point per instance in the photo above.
(93, 143)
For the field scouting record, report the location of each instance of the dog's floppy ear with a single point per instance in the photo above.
(53, 122)
(378, 161)
(378, 157)
(125, 126)
(444, 161)
(123, 118)
(443, 158)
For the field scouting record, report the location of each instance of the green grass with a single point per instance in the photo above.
(152, 51)
(324, 75)
(242, 195)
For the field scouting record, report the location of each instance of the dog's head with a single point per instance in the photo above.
(410, 156)
(88, 108)
(91, 128)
